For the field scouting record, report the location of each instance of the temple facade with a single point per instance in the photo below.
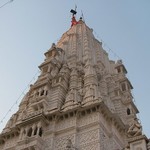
(82, 100)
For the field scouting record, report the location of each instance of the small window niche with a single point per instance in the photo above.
(45, 69)
(119, 70)
(117, 92)
(35, 131)
(123, 87)
(128, 111)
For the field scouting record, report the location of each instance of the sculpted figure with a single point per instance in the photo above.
(64, 70)
(70, 96)
(69, 145)
(135, 129)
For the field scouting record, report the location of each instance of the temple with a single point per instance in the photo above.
(82, 100)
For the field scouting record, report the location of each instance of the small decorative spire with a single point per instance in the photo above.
(53, 46)
(82, 16)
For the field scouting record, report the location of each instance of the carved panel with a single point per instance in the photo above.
(117, 135)
(115, 145)
(104, 141)
(50, 127)
(105, 123)
(94, 146)
(49, 143)
(61, 141)
(88, 137)
(30, 142)
(10, 143)
(138, 143)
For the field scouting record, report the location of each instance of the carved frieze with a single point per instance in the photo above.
(88, 119)
(65, 123)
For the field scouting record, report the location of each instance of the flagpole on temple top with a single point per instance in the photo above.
(74, 12)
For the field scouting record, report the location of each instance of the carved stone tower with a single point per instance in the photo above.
(81, 101)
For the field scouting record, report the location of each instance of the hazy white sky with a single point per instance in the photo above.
(29, 27)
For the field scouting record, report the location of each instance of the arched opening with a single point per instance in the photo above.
(40, 132)
(42, 93)
(46, 93)
(123, 87)
(37, 94)
(35, 131)
(24, 131)
(29, 132)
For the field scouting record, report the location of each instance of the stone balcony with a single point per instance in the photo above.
(33, 114)
(40, 103)
(31, 143)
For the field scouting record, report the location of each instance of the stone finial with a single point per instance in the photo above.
(119, 61)
(53, 45)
